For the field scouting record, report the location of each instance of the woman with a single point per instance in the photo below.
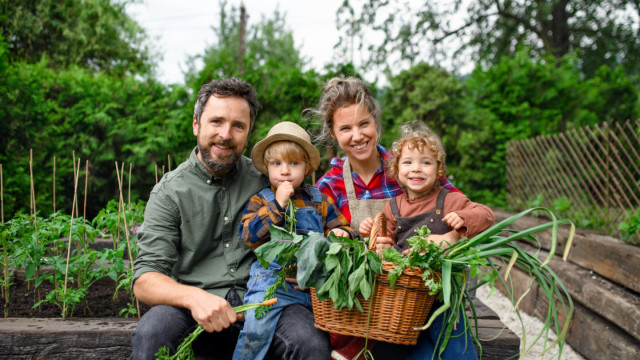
(360, 186)
(358, 183)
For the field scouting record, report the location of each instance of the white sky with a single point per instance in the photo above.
(183, 28)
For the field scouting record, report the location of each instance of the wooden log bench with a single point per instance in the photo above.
(41, 339)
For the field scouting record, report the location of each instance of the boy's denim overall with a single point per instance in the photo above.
(255, 338)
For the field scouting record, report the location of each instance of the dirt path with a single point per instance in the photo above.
(502, 306)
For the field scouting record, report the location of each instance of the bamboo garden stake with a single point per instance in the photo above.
(73, 156)
(74, 204)
(1, 195)
(169, 161)
(35, 217)
(126, 232)
(129, 193)
(54, 184)
(84, 208)
(118, 174)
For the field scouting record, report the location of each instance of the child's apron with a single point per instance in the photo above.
(406, 226)
(360, 209)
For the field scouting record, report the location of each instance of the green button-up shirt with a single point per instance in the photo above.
(190, 228)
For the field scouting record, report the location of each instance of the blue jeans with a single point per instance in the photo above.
(459, 347)
(255, 338)
(295, 338)
(427, 344)
(165, 325)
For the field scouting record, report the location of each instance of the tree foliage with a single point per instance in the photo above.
(522, 97)
(103, 118)
(270, 62)
(597, 32)
(92, 34)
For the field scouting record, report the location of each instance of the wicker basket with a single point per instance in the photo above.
(394, 313)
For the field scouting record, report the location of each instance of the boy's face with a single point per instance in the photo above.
(417, 171)
(281, 170)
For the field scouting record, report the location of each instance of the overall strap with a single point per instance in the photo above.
(393, 202)
(440, 201)
(267, 194)
(348, 181)
(316, 194)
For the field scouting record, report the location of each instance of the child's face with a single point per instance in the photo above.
(417, 171)
(281, 171)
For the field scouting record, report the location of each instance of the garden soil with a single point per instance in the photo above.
(99, 303)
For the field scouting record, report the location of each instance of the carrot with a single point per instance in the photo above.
(270, 302)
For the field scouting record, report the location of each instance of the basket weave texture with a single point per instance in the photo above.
(394, 313)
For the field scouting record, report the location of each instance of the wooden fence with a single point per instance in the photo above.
(590, 174)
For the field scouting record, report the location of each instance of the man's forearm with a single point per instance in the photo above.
(153, 288)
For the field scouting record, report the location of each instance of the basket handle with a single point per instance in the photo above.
(379, 226)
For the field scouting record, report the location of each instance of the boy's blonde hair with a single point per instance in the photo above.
(417, 135)
(289, 151)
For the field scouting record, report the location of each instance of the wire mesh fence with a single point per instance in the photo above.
(590, 174)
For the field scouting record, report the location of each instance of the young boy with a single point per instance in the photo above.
(286, 155)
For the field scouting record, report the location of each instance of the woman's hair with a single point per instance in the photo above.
(339, 92)
(417, 135)
(289, 151)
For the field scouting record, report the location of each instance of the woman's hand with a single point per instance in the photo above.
(384, 243)
(340, 232)
(365, 227)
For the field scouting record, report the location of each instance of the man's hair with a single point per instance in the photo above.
(224, 88)
(289, 151)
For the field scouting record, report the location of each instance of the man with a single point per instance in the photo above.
(192, 266)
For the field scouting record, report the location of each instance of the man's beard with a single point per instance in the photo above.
(224, 163)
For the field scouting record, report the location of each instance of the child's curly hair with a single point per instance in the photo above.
(417, 135)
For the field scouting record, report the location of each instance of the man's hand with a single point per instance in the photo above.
(365, 227)
(283, 193)
(212, 312)
(454, 220)
(340, 232)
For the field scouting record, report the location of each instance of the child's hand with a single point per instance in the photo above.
(454, 220)
(365, 227)
(340, 232)
(283, 193)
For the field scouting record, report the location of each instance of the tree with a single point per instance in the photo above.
(522, 97)
(271, 63)
(93, 34)
(597, 32)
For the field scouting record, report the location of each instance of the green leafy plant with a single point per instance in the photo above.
(351, 269)
(630, 229)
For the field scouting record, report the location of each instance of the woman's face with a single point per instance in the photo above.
(354, 128)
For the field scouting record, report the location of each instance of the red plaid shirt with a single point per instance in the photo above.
(381, 186)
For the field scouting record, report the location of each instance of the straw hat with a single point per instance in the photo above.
(285, 130)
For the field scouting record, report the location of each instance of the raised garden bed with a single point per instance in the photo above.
(602, 275)
(110, 338)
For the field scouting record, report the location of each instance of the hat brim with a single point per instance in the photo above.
(257, 154)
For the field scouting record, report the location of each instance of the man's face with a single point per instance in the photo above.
(222, 132)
